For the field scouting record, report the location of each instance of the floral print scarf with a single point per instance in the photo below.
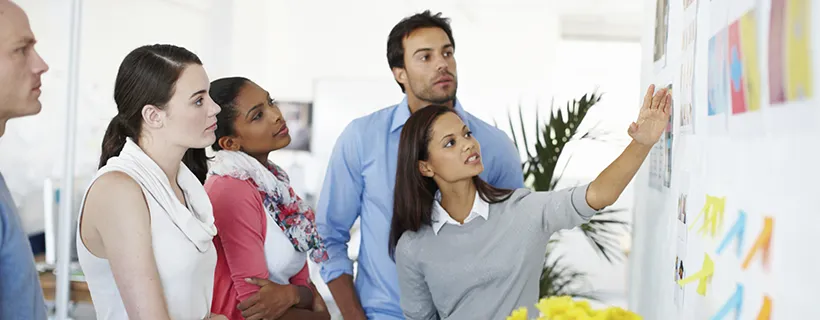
(294, 216)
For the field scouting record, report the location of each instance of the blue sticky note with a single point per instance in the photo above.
(736, 232)
(735, 302)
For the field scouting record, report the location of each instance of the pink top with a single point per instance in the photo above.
(241, 224)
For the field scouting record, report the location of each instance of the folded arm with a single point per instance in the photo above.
(240, 219)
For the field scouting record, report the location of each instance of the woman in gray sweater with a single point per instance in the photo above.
(467, 250)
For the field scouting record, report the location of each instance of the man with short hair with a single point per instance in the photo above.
(21, 296)
(362, 170)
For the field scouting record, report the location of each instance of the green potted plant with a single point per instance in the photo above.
(541, 174)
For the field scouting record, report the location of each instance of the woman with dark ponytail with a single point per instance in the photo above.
(266, 231)
(146, 225)
(466, 250)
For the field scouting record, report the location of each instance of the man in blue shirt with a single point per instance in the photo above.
(362, 170)
(21, 296)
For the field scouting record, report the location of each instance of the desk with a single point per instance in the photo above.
(48, 282)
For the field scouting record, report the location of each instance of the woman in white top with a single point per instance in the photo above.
(146, 224)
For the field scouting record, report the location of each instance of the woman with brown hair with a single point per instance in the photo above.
(466, 250)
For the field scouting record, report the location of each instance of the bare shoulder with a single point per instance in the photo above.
(115, 194)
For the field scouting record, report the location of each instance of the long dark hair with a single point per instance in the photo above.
(414, 193)
(147, 75)
(223, 92)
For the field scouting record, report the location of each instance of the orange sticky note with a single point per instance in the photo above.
(766, 309)
(712, 214)
(702, 276)
(761, 244)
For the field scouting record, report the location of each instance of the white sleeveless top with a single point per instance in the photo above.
(182, 241)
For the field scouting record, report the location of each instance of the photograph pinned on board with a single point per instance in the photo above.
(660, 157)
(661, 32)
(299, 118)
(681, 223)
(790, 65)
(687, 92)
(656, 171)
(679, 274)
(717, 81)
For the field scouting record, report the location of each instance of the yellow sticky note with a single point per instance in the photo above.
(748, 45)
(761, 244)
(712, 214)
(766, 309)
(798, 50)
(702, 276)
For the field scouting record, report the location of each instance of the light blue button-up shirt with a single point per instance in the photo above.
(359, 183)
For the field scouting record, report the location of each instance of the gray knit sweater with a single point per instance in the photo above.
(485, 269)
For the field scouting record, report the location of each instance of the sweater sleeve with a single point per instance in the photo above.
(240, 222)
(416, 299)
(556, 210)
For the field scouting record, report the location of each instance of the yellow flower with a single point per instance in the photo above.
(519, 314)
(578, 314)
(564, 308)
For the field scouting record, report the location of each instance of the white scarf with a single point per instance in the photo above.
(198, 226)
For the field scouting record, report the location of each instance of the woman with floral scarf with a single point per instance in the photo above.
(265, 231)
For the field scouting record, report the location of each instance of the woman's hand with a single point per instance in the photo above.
(271, 302)
(653, 117)
(214, 316)
(318, 302)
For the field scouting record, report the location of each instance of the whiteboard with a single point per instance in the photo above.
(745, 155)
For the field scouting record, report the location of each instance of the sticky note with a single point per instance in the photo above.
(735, 303)
(702, 276)
(712, 214)
(761, 244)
(736, 232)
(749, 45)
(798, 50)
(766, 309)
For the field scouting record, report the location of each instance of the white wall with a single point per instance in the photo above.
(762, 161)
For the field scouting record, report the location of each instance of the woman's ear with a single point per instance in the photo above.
(153, 116)
(426, 169)
(229, 143)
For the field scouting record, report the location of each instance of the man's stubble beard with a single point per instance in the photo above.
(429, 96)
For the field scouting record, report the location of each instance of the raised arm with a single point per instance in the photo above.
(568, 208)
(339, 206)
(653, 119)
(118, 217)
(416, 300)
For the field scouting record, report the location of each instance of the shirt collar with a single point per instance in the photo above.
(440, 216)
(402, 113)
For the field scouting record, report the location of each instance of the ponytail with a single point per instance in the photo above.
(197, 161)
(113, 141)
